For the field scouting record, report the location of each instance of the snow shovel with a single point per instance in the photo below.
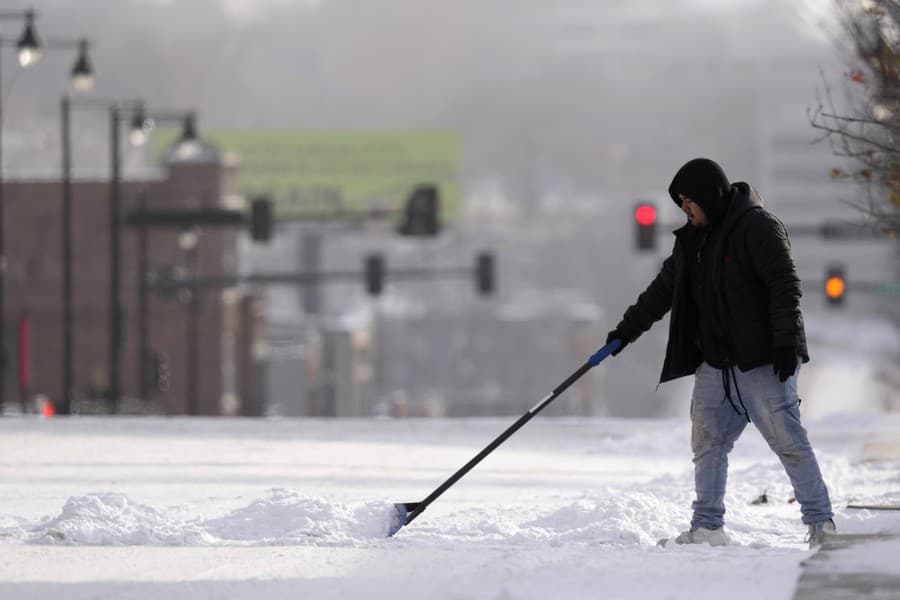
(405, 512)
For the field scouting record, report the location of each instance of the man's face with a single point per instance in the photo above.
(693, 211)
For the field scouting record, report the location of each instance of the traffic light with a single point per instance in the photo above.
(645, 222)
(421, 215)
(374, 271)
(261, 220)
(835, 285)
(484, 273)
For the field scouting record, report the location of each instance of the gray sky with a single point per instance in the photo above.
(537, 89)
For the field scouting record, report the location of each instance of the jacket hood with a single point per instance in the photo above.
(705, 183)
(740, 198)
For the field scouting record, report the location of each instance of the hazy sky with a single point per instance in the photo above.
(249, 10)
(565, 84)
(816, 10)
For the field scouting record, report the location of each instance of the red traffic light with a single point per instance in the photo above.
(645, 214)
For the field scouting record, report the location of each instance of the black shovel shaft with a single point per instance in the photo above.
(592, 362)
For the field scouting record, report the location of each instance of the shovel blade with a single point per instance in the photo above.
(399, 516)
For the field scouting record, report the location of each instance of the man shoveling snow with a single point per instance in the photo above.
(736, 325)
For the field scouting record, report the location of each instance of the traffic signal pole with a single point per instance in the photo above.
(311, 261)
(373, 275)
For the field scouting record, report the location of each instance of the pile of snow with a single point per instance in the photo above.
(635, 514)
(283, 518)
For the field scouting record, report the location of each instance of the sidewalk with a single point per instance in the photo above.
(852, 566)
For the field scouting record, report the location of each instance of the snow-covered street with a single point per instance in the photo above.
(228, 508)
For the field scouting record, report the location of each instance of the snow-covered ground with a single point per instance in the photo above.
(148, 508)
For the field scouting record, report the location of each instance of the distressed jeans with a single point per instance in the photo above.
(772, 406)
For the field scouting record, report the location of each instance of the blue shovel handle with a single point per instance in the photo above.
(603, 352)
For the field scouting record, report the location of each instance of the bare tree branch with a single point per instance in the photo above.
(867, 134)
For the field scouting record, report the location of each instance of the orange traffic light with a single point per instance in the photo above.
(835, 285)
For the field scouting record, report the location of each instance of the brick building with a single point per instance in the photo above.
(219, 325)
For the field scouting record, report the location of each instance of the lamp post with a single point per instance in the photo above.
(67, 104)
(187, 241)
(30, 47)
(143, 332)
(141, 124)
(188, 145)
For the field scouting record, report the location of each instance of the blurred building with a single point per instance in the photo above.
(222, 326)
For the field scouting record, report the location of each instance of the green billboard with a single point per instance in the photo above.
(310, 173)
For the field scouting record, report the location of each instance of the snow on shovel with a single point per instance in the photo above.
(406, 512)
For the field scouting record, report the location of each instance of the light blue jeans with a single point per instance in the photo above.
(773, 407)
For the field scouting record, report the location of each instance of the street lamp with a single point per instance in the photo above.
(141, 127)
(188, 144)
(83, 71)
(29, 47)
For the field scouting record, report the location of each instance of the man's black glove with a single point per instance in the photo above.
(615, 335)
(784, 362)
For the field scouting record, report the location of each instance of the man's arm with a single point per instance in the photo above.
(770, 254)
(651, 305)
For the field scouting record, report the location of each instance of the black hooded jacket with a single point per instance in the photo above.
(756, 290)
